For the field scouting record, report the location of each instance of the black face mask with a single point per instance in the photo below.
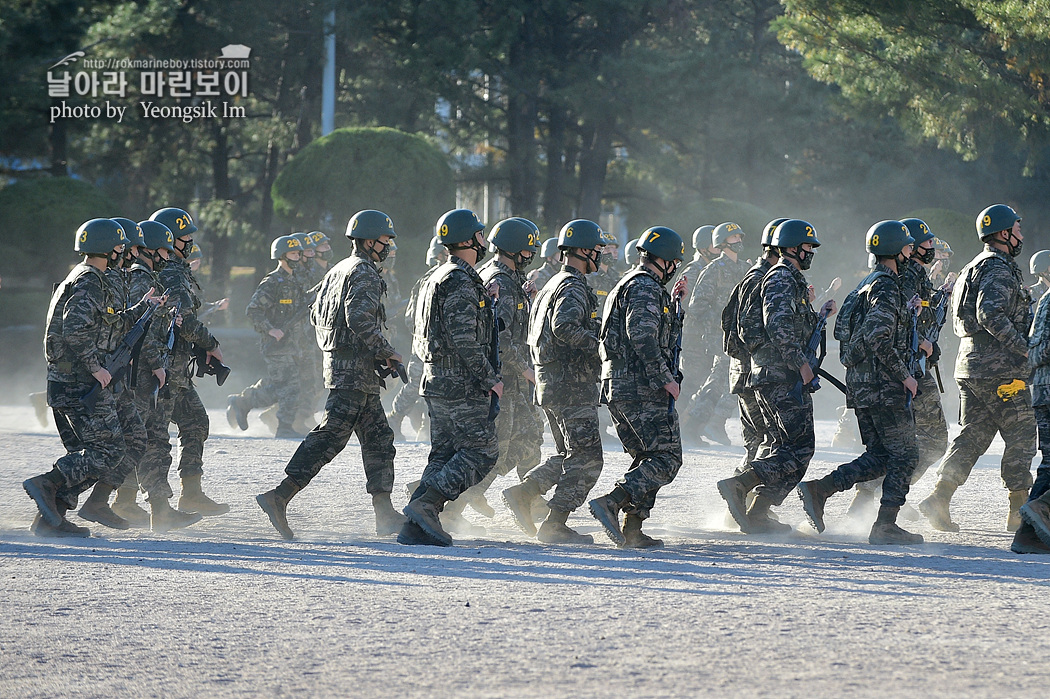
(114, 260)
(925, 256)
(327, 255)
(1014, 250)
(737, 247)
(522, 263)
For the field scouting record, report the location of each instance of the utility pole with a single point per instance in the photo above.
(328, 81)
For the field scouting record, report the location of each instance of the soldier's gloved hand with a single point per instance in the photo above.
(673, 388)
(102, 376)
(161, 376)
(497, 389)
(911, 385)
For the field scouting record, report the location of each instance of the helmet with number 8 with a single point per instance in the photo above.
(887, 238)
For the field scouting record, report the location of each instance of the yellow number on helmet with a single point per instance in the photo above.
(809, 231)
(389, 224)
(444, 230)
(875, 240)
(568, 233)
(181, 221)
(83, 237)
(653, 235)
(987, 220)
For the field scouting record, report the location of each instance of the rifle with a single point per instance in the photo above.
(940, 314)
(172, 329)
(207, 365)
(917, 363)
(676, 354)
(494, 360)
(385, 371)
(816, 350)
(119, 361)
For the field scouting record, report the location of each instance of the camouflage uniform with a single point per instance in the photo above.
(697, 357)
(544, 274)
(182, 405)
(563, 337)
(519, 428)
(408, 395)
(638, 332)
(311, 385)
(992, 315)
(778, 322)
(753, 426)
(277, 299)
(453, 330)
(1039, 360)
(348, 319)
(85, 322)
(877, 362)
(709, 296)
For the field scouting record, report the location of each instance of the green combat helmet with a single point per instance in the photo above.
(1040, 263)
(887, 238)
(99, 237)
(195, 253)
(922, 233)
(723, 232)
(457, 226)
(156, 236)
(663, 248)
(794, 233)
(997, 217)
(514, 236)
(702, 237)
(305, 240)
(549, 248)
(583, 240)
(284, 245)
(767, 232)
(631, 252)
(436, 253)
(131, 231)
(371, 225)
(177, 220)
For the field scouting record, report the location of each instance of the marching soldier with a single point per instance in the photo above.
(551, 264)
(453, 337)
(640, 382)
(1039, 266)
(348, 318)
(992, 314)
(276, 311)
(563, 342)
(1034, 534)
(881, 389)
(776, 324)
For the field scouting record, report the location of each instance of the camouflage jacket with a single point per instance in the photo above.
(1039, 353)
(882, 343)
(275, 303)
(154, 354)
(708, 298)
(914, 281)
(453, 333)
(512, 308)
(86, 320)
(639, 331)
(788, 321)
(183, 287)
(544, 274)
(603, 282)
(748, 289)
(413, 300)
(992, 313)
(563, 341)
(691, 270)
(348, 318)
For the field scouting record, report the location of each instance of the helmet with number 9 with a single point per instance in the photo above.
(997, 217)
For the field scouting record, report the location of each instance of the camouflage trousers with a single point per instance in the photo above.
(752, 425)
(982, 414)
(408, 395)
(181, 405)
(575, 466)
(713, 401)
(152, 473)
(463, 444)
(890, 450)
(519, 430)
(1042, 473)
(931, 430)
(100, 451)
(282, 385)
(696, 366)
(311, 381)
(790, 440)
(348, 412)
(652, 437)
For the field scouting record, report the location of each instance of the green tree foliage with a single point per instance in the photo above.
(403, 175)
(39, 218)
(957, 228)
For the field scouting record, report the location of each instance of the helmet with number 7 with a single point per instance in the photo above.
(767, 232)
(662, 242)
(177, 220)
(887, 238)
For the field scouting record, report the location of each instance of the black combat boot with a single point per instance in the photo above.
(43, 489)
(125, 506)
(734, 491)
(1017, 501)
(1037, 513)
(425, 511)
(814, 495)
(164, 519)
(96, 508)
(635, 538)
(1026, 541)
(555, 531)
(518, 499)
(388, 520)
(193, 499)
(936, 507)
(760, 519)
(886, 532)
(275, 504)
(606, 510)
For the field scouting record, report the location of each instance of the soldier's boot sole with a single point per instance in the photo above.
(812, 505)
(607, 513)
(412, 534)
(104, 515)
(276, 509)
(137, 517)
(889, 534)
(553, 533)
(429, 520)
(520, 508)
(389, 522)
(1026, 541)
(43, 491)
(1037, 514)
(202, 505)
(732, 491)
(67, 529)
(937, 514)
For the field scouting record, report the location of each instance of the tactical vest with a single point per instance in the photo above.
(850, 316)
(519, 325)
(328, 313)
(56, 351)
(430, 340)
(964, 299)
(548, 352)
(613, 347)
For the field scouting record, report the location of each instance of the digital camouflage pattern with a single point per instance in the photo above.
(748, 295)
(577, 461)
(1039, 353)
(888, 434)
(880, 345)
(276, 300)
(563, 341)
(787, 323)
(408, 394)
(790, 440)
(992, 314)
(709, 294)
(544, 274)
(602, 282)
(1042, 474)
(183, 287)
(651, 435)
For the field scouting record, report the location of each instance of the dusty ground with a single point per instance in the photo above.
(227, 608)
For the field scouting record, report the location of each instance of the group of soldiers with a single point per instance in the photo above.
(496, 351)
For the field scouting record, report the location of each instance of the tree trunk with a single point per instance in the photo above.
(59, 166)
(594, 163)
(220, 163)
